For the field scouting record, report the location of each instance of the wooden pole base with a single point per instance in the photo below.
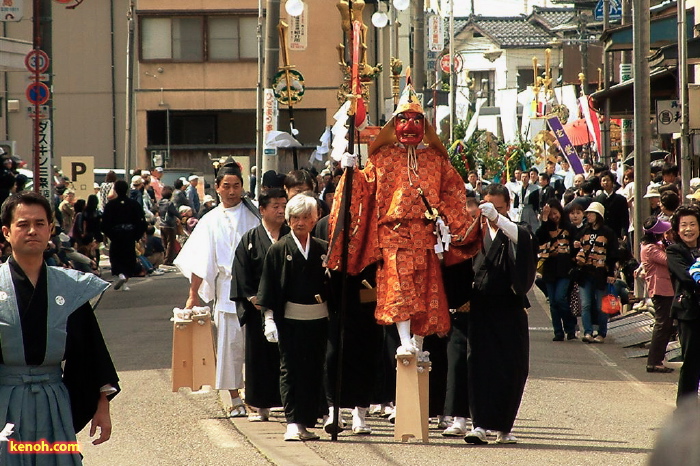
(194, 363)
(411, 399)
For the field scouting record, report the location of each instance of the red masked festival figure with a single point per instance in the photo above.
(408, 212)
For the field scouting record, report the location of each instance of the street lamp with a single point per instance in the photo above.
(380, 19)
(294, 7)
(401, 5)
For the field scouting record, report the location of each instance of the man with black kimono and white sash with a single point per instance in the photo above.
(262, 358)
(46, 321)
(498, 351)
(293, 294)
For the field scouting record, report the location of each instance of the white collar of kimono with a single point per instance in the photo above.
(304, 251)
(232, 209)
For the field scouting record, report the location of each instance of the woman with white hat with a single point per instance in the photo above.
(597, 262)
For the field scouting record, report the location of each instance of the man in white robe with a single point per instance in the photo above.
(206, 260)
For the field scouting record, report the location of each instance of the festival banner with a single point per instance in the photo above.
(591, 119)
(565, 145)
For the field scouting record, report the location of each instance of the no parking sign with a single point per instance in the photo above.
(38, 93)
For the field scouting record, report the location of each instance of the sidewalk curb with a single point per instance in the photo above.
(267, 438)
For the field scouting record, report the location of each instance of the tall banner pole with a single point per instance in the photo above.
(356, 93)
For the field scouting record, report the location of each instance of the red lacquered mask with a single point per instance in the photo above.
(410, 128)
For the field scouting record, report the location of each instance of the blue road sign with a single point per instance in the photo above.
(38, 93)
(615, 10)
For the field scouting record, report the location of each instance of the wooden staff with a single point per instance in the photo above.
(282, 28)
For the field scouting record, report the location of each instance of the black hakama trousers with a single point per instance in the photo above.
(457, 393)
(262, 365)
(362, 335)
(498, 362)
(302, 345)
(437, 381)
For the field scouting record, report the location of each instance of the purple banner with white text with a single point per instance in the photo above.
(565, 145)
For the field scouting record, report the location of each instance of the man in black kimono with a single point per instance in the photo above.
(262, 358)
(46, 321)
(498, 351)
(124, 223)
(293, 294)
(360, 366)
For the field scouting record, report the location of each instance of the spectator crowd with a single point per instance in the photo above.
(581, 223)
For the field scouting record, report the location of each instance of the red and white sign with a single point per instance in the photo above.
(445, 63)
(436, 35)
(37, 61)
(269, 119)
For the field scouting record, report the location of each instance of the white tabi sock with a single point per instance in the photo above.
(293, 428)
(418, 342)
(404, 329)
(459, 422)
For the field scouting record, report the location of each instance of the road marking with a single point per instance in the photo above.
(218, 433)
(604, 360)
(638, 385)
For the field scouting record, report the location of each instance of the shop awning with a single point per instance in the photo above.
(664, 86)
(663, 31)
(668, 55)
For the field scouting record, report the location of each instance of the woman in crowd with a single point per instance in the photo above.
(554, 237)
(76, 229)
(659, 288)
(106, 189)
(596, 260)
(681, 255)
(92, 225)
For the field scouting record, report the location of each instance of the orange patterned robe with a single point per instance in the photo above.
(388, 225)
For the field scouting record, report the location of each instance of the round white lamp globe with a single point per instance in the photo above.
(401, 4)
(294, 7)
(380, 19)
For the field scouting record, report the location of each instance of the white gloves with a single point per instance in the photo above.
(502, 222)
(348, 160)
(270, 328)
(488, 210)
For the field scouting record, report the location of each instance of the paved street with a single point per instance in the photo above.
(583, 404)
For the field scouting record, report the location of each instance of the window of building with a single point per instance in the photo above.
(485, 86)
(525, 78)
(198, 38)
(200, 127)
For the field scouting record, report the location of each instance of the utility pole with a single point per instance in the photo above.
(627, 125)
(605, 133)
(259, 89)
(453, 84)
(40, 87)
(683, 94)
(272, 59)
(642, 110)
(418, 69)
(128, 143)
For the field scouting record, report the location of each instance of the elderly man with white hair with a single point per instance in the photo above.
(292, 294)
